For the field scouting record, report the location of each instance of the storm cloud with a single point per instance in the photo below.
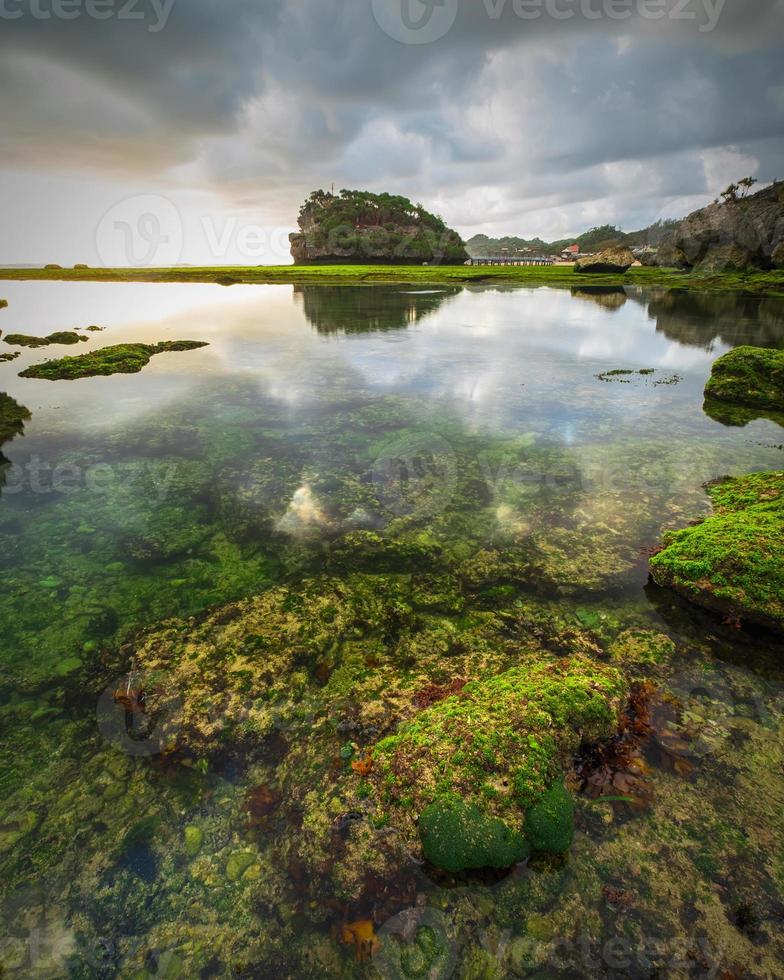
(524, 116)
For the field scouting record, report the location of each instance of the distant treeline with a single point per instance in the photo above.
(594, 240)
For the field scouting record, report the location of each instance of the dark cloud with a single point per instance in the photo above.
(499, 123)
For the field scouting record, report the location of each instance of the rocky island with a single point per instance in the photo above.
(361, 227)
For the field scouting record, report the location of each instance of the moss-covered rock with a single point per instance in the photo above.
(733, 562)
(498, 747)
(549, 824)
(749, 376)
(459, 837)
(118, 359)
(61, 337)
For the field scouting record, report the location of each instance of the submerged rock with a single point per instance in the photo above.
(119, 359)
(733, 562)
(749, 376)
(611, 260)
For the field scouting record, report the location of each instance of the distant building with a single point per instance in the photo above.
(572, 252)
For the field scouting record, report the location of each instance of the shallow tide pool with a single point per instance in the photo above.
(447, 481)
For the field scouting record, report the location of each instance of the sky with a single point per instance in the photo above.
(155, 132)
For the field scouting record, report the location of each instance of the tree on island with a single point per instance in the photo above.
(359, 226)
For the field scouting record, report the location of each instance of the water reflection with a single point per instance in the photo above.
(702, 319)
(12, 419)
(364, 309)
(608, 297)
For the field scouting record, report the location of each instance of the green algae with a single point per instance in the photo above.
(549, 824)
(60, 337)
(458, 837)
(749, 376)
(501, 742)
(732, 562)
(118, 359)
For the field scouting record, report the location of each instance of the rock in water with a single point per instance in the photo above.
(118, 359)
(749, 376)
(360, 227)
(613, 260)
(733, 562)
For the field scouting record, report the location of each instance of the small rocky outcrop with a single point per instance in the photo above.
(735, 234)
(611, 260)
(732, 562)
(360, 227)
(118, 359)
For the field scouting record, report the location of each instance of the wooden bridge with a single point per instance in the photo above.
(518, 260)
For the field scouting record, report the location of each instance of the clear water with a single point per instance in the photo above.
(219, 473)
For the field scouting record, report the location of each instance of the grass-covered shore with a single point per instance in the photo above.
(771, 283)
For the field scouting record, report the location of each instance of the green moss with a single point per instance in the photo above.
(119, 359)
(61, 337)
(733, 562)
(749, 376)
(549, 824)
(501, 742)
(642, 646)
(459, 837)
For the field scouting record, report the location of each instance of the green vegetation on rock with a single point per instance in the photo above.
(119, 359)
(360, 226)
(497, 746)
(732, 562)
(549, 824)
(458, 837)
(749, 376)
(60, 337)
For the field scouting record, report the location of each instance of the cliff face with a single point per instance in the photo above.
(741, 234)
(360, 227)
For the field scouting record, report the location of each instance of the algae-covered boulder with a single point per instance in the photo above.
(611, 260)
(749, 376)
(459, 837)
(498, 746)
(733, 562)
(119, 359)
